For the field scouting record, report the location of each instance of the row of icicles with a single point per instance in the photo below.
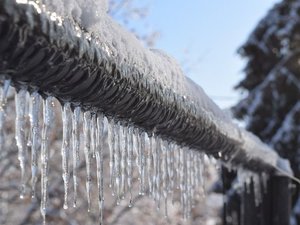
(162, 166)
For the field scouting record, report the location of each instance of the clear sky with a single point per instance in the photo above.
(204, 35)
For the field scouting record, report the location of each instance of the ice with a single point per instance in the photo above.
(93, 135)
(130, 162)
(66, 147)
(150, 164)
(142, 161)
(75, 148)
(3, 98)
(35, 138)
(88, 155)
(117, 161)
(48, 116)
(111, 141)
(99, 161)
(158, 172)
(124, 155)
(165, 177)
(20, 101)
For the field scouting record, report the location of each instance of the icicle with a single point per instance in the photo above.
(188, 184)
(48, 116)
(183, 180)
(117, 160)
(170, 162)
(142, 163)
(257, 189)
(75, 148)
(35, 138)
(177, 164)
(93, 135)
(171, 169)
(87, 153)
(124, 151)
(137, 150)
(130, 163)
(165, 177)
(158, 172)
(150, 165)
(111, 143)
(3, 98)
(65, 150)
(20, 100)
(99, 161)
(154, 177)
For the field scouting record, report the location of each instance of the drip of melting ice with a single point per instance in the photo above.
(48, 116)
(20, 99)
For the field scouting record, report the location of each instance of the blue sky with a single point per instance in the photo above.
(204, 35)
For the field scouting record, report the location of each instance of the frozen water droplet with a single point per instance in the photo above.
(66, 146)
(48, 116)
(35, 138)
(75, 148)
(20, 100)
(130, 205)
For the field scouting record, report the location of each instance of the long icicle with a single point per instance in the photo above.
(111, 145)
(3, 99)
(93, 135)
(117, 160)
(35, 139)
(66, 146)
(99, 162)
(124, 156)
(75, 148)
(48, 116)
(87, 153)
(130, 163)
(20, 99)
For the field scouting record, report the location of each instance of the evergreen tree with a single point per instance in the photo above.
(271, 108)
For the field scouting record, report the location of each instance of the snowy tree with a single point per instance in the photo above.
(271, 107)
